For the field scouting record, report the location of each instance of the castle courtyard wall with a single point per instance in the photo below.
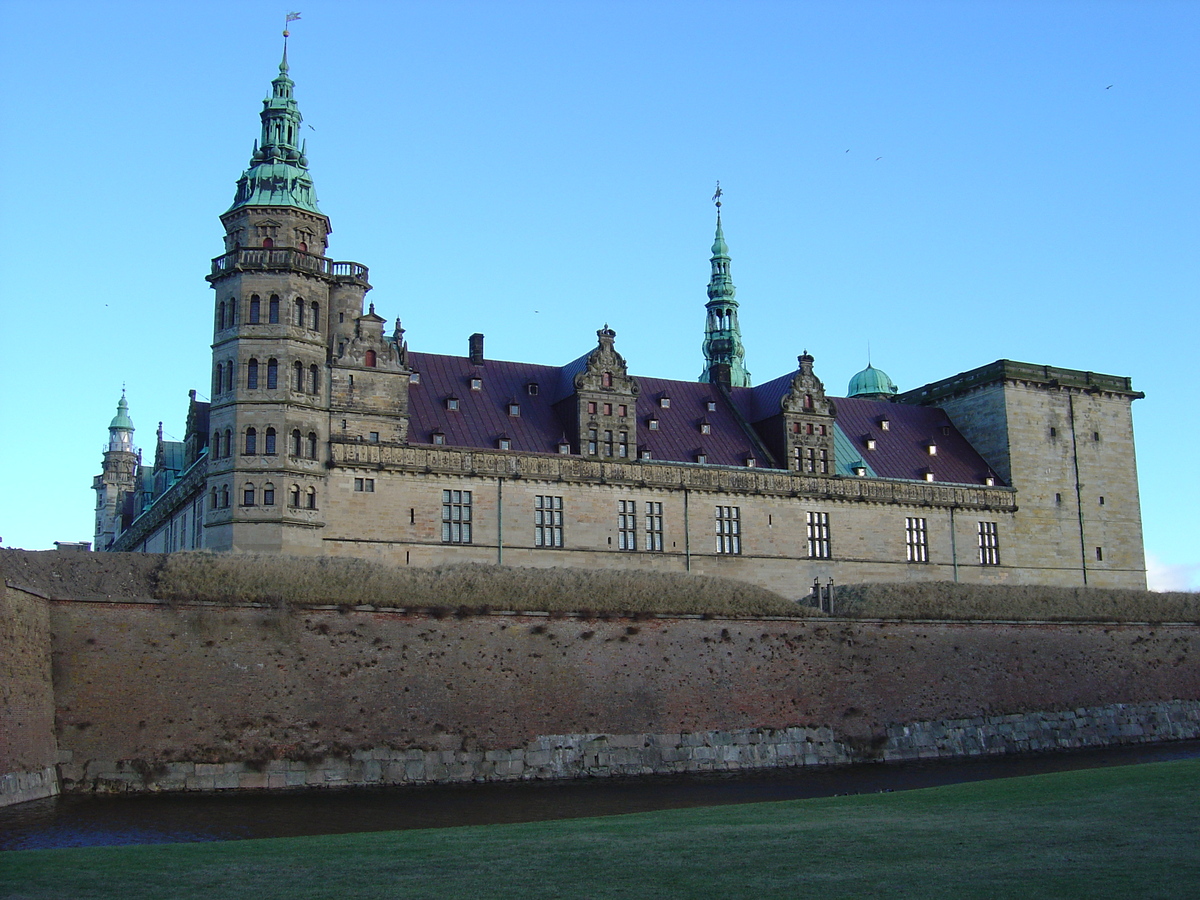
(28, 751)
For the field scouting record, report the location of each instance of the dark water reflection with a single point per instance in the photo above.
(83, 821)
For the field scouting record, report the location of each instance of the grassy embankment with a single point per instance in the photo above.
(471, 589)
(1131, 831)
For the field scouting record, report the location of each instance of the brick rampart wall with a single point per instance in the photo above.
(27, 746)
(211, 697)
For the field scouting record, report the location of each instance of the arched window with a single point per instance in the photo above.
(269, 442)
(251, 441)
(216, 447)
(233, 311)
(314, 379)
(227, 450)
(252, 375)
(311, 498)
(221, 316)
(216, 500)
(273, 310)
(229, 374)
(268, 494)
(224, 496)
(255, 309)
(304, 246)
(299, 312)
(298, 376)
(248, 494)
(217, 378)
(370, 360)
(272, 374)
(314, 318)
(267, 244)
(312, 445)
(295, 496)
(297, 442)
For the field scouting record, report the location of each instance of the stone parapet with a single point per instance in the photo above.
(643, 474)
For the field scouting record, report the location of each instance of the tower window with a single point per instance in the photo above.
(312, 445)
(228, 447)
(252, 374)
(299, 312)
(268, 496)
(591, 408)
(311, 498)
(297, 443)
(314, 379)
(622, 410)
(298, 376)
(255, 310)
(269, 442)
(1099, 554)
(623, 445)
(608, 409)
(314, 320)
(251, 443)
(272, 374)
(267, 245)
(273, 310)
(370, 359)
(221, 316)
(608, 443)
(248, 494)
(294, 497)
(216, 446)
(229, 375)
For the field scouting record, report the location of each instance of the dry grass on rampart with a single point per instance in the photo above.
(307, 581)
(946, 600)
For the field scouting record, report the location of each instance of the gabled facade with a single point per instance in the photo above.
(327, 435)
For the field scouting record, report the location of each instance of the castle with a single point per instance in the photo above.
(325, 434)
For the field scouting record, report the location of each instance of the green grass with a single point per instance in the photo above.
(1132, 831)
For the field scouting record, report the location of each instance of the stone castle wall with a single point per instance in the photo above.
(160, 697)
(27, 745)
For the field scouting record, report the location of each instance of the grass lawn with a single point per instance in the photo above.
(1130, 831)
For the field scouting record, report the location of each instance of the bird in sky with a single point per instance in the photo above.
(1108, 87)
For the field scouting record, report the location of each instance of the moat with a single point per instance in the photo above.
(85, 820)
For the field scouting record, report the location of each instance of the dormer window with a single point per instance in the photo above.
(514, 409)
(945, 430)
(664, 402)
(504, 443)
(859, 469)
(532, 388)
(652, 424)
(646, 454)
(414, 378)
(564, 447)
(711, 406)
(477, 384)
(884, 424)
(438, 437)
(872, 443)
(990, 480)
(751, 462)
(452, 403)
(932, 448)
(929, 475)
(705, 428)
(701, 457)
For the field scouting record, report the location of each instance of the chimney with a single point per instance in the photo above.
(475, 345)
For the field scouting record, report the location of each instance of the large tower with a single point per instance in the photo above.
(724, 355)
(282, 307)
(118, 478)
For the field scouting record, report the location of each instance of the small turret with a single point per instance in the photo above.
(724, 354)
(871, 384)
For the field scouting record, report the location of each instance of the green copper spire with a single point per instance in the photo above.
(278, 173)
(724, 355)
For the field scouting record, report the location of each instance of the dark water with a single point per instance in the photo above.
(86, 821)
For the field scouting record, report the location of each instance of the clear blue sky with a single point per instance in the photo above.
(950, 182)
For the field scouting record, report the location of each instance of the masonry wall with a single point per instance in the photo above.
(244, 697)
(27, 746)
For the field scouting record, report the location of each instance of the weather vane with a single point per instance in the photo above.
(717, 196)
(291, 17)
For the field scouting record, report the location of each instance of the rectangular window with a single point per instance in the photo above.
(456, 517)
(591, 408)
(818, 536)
(608, 409)
(916, 540)
(729, 530)
(654, 526)
(622, 410)
(626, 525)
(824, 462)
(548, 521)
(366, 485)
(268, 496)
(989, 544)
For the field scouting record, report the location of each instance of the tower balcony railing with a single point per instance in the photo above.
(245, 259)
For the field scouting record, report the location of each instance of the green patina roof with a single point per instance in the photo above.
(121, 419)
(278, 173)
(847, 455)
(870, 381)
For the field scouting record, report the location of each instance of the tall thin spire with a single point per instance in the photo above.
(724, 355)
(278, 173)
